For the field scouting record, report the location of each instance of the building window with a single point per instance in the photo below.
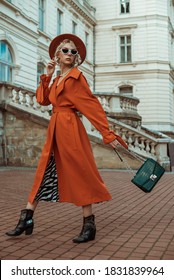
(74, 27)
(125, 49)
(126, 90)
(87, 43)
(40, 71)
(6, 62)
(125, 6)
(41, 14)
(59, 21)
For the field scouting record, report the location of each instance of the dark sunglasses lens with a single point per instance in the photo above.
(65, 51)
(74, 52)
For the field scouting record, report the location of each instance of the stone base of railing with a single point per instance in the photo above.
(106, 157)
(131, 119)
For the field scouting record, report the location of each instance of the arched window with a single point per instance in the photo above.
(126, 90)
(40, 71)
(6, 62)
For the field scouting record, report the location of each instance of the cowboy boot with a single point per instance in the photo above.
(25, 223)
(88, 230)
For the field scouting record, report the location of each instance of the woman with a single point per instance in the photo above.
(67, 151)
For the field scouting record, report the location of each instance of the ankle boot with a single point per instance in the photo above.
(88, 230)
(25, 223)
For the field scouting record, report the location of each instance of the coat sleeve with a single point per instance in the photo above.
(90, 107)
(43, 90)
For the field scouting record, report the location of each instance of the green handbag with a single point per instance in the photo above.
(147, 175)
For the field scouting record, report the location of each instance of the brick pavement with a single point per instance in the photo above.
(133, 225)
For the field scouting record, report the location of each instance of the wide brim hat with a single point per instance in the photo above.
(77, 41)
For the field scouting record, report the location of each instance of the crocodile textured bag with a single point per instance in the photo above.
(148, 175)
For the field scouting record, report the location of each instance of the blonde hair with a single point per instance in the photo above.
(77, 60)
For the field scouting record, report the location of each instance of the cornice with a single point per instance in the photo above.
(129, 26)
(17, 25)
(18, 11)
(82, 10)
(45, 35)
(119, 20)
(134, 63)
(172, 74)
(132, 72)
(42, 46)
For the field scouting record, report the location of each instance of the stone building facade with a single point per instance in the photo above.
(130, 47)
(135, 56)
(27, 28)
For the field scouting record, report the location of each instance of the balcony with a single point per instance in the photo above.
(120, 107)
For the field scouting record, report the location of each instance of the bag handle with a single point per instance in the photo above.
(138, 157)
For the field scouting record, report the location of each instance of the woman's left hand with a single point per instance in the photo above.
(114, 143)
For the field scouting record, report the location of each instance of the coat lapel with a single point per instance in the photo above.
(56, 90)
(74, 73)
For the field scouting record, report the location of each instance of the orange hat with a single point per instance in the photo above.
(76, 40)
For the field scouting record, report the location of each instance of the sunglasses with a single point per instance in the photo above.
(68, 51)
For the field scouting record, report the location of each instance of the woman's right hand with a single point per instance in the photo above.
(50, 67)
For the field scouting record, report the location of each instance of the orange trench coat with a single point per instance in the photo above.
(79, 181)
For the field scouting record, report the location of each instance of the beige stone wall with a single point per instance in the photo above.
(24, 140)
(106, 158)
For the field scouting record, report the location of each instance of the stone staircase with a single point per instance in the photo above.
(23, 124)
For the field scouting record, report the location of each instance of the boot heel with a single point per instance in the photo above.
(93, 235)
(29, 231)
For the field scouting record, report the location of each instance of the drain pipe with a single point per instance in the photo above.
(94, 52)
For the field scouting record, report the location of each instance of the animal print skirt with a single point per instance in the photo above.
(48, 190)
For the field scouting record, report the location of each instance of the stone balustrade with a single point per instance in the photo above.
(117, 102)
(128, 103)
(121, 107)
(138, 140)
(23, 99)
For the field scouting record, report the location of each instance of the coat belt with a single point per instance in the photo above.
(63, 109)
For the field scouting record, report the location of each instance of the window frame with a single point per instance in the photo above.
(128, 93)
(125, 45)
(87, 44)
(74, 27)
(59, 21)
(39, 73)
(125, 9)
(41, 15)
(6, 66)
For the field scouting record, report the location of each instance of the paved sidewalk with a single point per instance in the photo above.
(133, 225)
